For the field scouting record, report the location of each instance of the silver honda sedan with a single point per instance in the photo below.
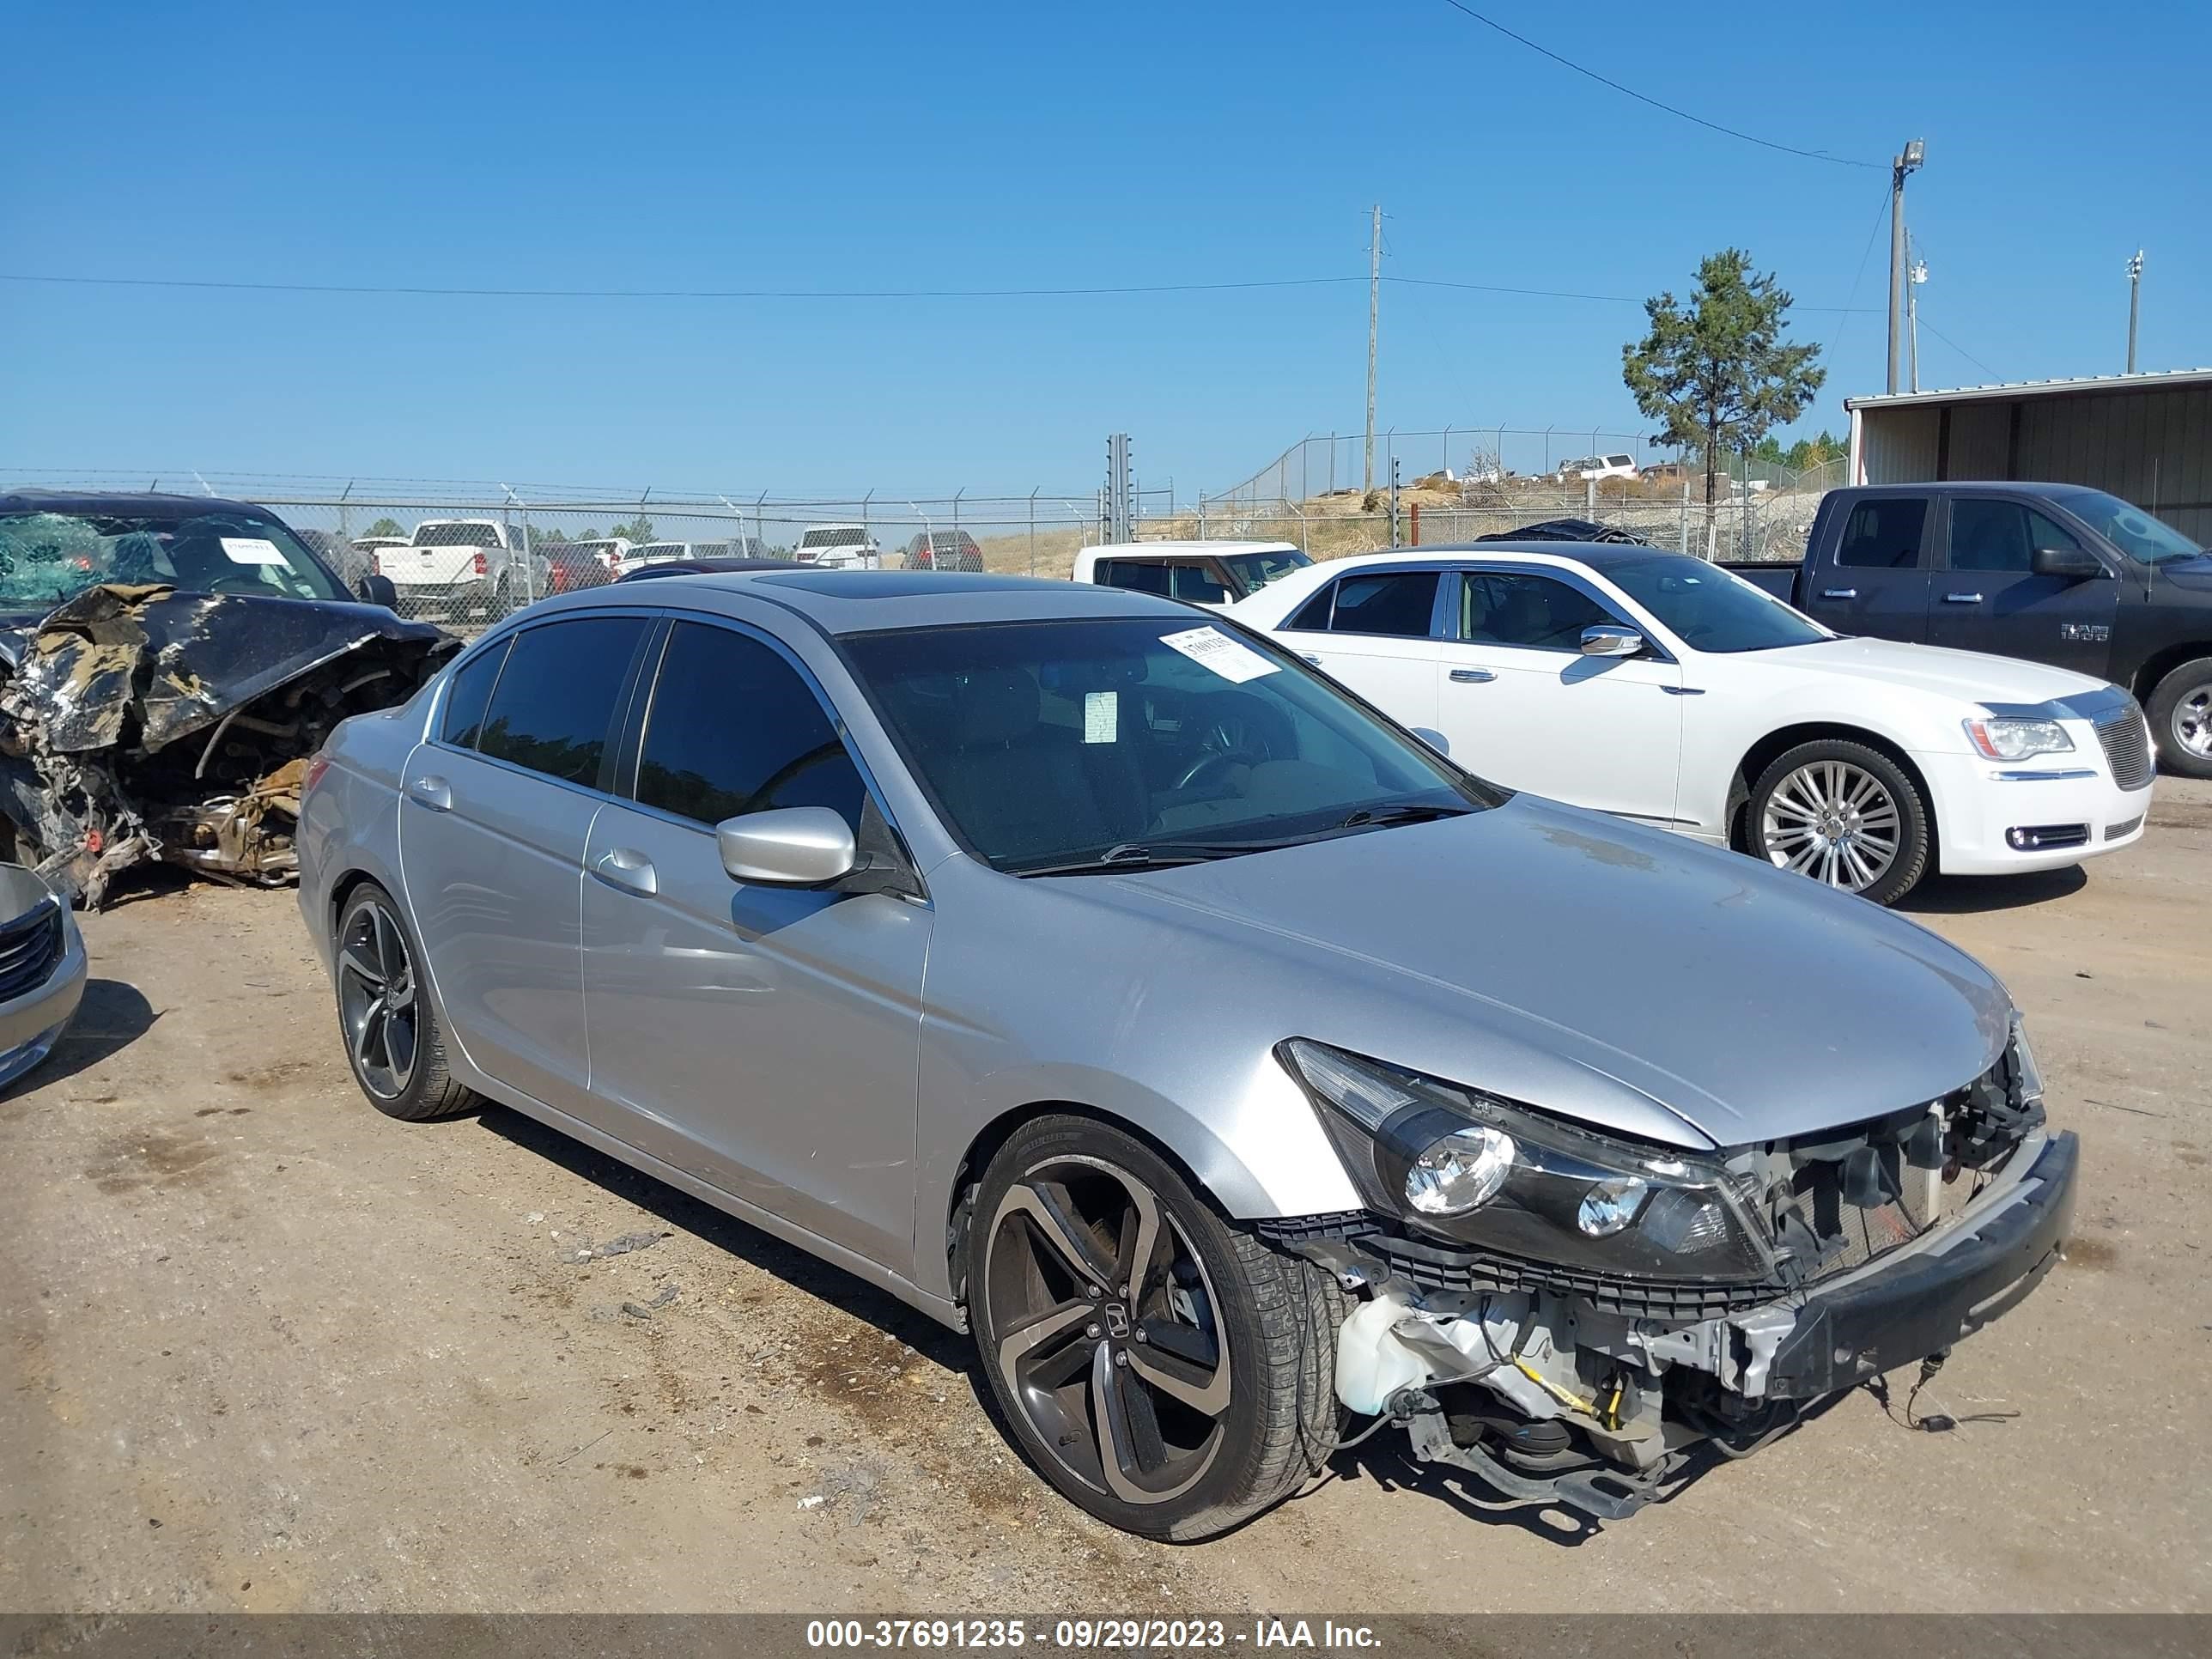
(1097, 977)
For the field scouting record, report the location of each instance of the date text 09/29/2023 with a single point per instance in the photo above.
(1087, 1634)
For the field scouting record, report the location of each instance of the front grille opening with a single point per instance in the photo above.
(2127, 827)
(30, 945)
(2126, 741)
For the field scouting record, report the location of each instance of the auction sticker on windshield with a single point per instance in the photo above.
(1214, 650)
(252, 550)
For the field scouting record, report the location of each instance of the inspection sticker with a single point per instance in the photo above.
(1211, 648)
(252, 550)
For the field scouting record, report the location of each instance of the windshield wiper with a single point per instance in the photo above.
(1382, 817)
(1154, 855)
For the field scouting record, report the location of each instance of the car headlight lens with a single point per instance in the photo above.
(2017, 739)
(1468, 1166)
(2026, 1079)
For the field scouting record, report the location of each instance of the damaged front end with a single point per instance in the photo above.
(1575, 1318)
(138, 722)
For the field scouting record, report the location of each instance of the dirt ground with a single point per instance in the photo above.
(262, 1348)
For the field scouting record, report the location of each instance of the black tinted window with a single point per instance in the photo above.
(1884, 535)
(1534, 612)
(1134, 574)
(733, 729)
(471, 692)
(1399, 603)
(1989, 534)
(1314, 613)
(555, 701)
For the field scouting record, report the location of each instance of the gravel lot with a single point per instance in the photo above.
(261, 1348)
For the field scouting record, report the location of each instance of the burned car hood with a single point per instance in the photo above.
(1589, 968)
(179, 661)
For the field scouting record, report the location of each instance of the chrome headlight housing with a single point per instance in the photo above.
(2006, 739)
(1461, 1165)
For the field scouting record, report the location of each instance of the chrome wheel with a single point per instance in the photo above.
(1835, 822)
(1107, 1330)
(376, 1001)
(2191, 721)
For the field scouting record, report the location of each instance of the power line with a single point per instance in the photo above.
(1642, 98)
(674, 293)
(1995, 377)
(425, 292)
(1859, 276)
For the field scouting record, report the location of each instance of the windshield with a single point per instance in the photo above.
(835, 535)
(456, 534)
(1254, 571)
(48, 558)
(2130, 529)
(1050, 744)
(1709, 609)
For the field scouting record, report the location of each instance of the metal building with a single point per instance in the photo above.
(2146, 437)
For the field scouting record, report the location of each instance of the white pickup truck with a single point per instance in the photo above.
(464, 567)
(839, 547)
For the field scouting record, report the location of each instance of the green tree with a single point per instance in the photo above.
(1716, 372)
(385, 528)
(638, 529)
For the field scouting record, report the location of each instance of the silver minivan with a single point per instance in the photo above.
(1099, 978)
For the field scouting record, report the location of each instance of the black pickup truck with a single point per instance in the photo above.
(2056, 572)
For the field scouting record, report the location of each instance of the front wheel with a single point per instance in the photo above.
(1844, 814)
(2180, 716)
(1171, 1374)
(394, 1043)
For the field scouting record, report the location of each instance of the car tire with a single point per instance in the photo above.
(1177, 1411)
(1843, 813)
(2180, 716)
(395, 1043)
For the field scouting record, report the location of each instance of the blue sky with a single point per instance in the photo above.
(470, 144)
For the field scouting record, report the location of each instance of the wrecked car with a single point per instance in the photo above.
(168, 665)
(1100, 978)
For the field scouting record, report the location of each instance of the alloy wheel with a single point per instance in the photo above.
(377, 1001)
(1108, 1334)
(2192, 721)
(1835, 822)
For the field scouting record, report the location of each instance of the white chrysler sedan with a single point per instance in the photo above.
(1662, 689)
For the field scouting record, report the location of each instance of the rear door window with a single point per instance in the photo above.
(1400, 603)
(555, 704)
(1884, 533)
(1137, 575)
(732, 728)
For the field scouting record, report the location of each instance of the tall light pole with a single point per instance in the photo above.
(2135, 304)
(1916, 276)
(1908, 161)
(1374, 317)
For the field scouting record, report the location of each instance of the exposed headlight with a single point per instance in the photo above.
(2026, 1079)
(1468, 1166)
(2016, 739)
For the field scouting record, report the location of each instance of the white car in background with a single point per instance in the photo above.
(1592, 468)
(839, 547)
(1662, 689)
(1213, 573)
(646, 553)
(466, 567)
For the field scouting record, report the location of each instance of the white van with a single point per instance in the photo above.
(1203, 572)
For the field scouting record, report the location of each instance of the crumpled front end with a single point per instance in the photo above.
(1880, 1244)
(137, 723)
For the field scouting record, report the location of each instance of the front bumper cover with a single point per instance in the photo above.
(1906, 1307)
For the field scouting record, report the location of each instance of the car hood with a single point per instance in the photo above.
(1966, 676)
(1626, 977)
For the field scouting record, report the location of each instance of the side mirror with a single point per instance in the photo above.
(1434, 739)
(792, 847)
(1606, 640)
(2073, 564)
(378, 590)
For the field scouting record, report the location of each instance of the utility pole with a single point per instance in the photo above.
(2135, 304)
(1374, 317)
(1917, 275)
(1908, 161)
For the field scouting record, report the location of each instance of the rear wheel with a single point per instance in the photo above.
(394, 1042)
(1844, 814)
(1171, 1374)
(2180, 714)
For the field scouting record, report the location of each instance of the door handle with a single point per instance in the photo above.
(1962, 598)
(431, 790)
(1839, 593)
(1473, 676)
(628, 869)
